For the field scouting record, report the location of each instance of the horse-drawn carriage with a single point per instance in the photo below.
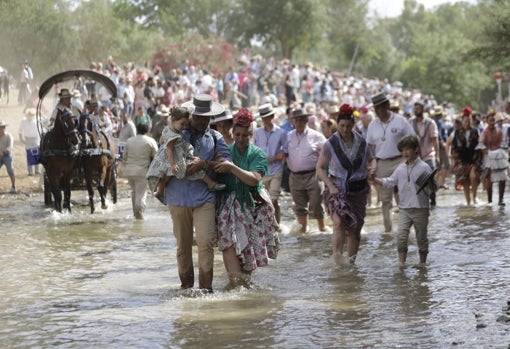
(75, 152)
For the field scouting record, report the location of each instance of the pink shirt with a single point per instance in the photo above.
(303, 149)
(428, 136)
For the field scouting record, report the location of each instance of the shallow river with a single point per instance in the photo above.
(106, 281)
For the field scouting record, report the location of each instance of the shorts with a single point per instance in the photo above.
(7, 161)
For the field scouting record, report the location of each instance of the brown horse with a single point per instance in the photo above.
(97, 158)
(59, 150)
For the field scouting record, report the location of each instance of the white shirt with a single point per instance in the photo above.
(385, 136)
(405, 177)
(28, 131)
(129, 94)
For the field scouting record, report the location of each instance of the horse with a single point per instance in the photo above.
(59, 150)
(97, 153)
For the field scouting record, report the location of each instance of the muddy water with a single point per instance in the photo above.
(106, 281)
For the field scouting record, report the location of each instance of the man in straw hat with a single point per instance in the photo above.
(29, 135)
(224, 123)
(303, 148)
(191, 203)
(157, 130)
(271, 139)
(427, 132)
(383, 135)
(64, 103)
(6, 155)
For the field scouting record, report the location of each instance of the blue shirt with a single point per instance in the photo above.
(286, 126)
(194, 193)
(271, 142)
(441, 130)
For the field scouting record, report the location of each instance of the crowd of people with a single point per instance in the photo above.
(223, 148)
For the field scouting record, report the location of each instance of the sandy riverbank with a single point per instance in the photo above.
(12, 114)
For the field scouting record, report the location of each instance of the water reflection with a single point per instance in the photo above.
(107, 281)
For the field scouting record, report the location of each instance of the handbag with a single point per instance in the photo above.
(357, 184)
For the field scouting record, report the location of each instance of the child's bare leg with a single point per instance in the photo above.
(162, 184)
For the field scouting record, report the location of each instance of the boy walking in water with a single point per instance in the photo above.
(411, 177)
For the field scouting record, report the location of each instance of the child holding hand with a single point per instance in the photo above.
(412, 177)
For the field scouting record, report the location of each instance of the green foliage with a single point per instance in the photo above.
(288, 24)
(493, 40)
(214, 54)
(102, 34)
(35, 30)
(450, 51)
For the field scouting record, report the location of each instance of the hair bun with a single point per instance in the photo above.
(346, 109)
(243, 117)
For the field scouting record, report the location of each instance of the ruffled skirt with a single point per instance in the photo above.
(252, 230)
(351, 208)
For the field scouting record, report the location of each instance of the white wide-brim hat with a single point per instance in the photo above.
(203, 105)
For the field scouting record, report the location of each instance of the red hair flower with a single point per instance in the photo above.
(467, 111)
(346, 110)
(243, 117)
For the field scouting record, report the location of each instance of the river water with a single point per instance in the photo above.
(106, 281)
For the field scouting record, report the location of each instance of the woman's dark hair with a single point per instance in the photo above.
(346, 112)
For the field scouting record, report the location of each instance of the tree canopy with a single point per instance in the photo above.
(450, 51)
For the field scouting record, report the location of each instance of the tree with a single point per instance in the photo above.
(179, 17)
(38, 31)
(287, 24)
(493, 40)
(102, 33)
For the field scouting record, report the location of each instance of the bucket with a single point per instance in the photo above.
(33, 156)
(120, 149)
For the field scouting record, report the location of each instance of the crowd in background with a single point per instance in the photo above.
(254, 81)
(143, 91)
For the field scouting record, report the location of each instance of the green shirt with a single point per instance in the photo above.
(254, 159)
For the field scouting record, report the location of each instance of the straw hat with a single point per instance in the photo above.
(164, 111)
(438, 110)
(64, 93)
(379, 99)
(298, 112)
(203, 105)
(499, 117)
(225, 115)
(30, 112)
(266, 110)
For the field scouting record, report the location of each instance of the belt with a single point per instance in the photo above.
(302, 172)
(389, 159)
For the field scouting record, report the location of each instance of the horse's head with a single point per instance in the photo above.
(69, 127)
(86, 130)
